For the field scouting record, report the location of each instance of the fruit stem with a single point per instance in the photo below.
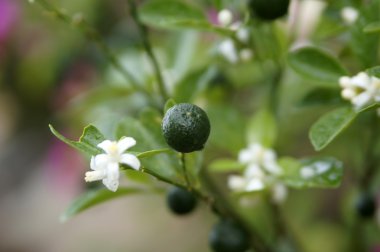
(184, 170)
(148, 48)
(227, 210)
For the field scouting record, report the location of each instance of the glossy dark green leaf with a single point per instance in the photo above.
(330, 125)
(313, 63)
(92, 198)
(87, 143)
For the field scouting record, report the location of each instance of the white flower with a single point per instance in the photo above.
(279, 193)
(106, 166)
(228, 50)
(349, 15)
(225, 17)
(246, 54)
(262, 171)
(265, 158)
(361, 89)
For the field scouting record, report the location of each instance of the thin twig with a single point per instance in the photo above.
(148, 48)
(91, 33)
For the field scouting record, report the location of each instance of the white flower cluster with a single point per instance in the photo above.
(228, 48)
(262, 172)
(361, 89)
(349, 15)
(106, 166)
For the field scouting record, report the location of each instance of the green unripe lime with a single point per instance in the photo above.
(186, 127)
(180, 201)
(227, 236)
(366, 205)
(269, 9)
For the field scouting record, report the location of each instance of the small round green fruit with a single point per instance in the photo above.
(186, 127)
(181, 201)
(227, 236)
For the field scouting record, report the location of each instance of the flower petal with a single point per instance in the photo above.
(255, 184)
(236, 183)
(105, 145)
(361, 100)
(111, 181)
(125, 143)
(130, 160)
(99, 162)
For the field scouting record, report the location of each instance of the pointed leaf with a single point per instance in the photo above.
(87, 143)
(93, 198)
(316, 64)
(330, 125)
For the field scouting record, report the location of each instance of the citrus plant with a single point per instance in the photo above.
(250, 108)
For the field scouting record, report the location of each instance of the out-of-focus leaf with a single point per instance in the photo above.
(87, 143)
(226, 165)
(262, 128)
(313, 63)
(329, 126)
(374, 71)
(93, 198)
(365, 46)
(228, 130)
(372, 27)
(168, 13)
(193, 84)
(312, 173)
(169, 103)
(322, 96)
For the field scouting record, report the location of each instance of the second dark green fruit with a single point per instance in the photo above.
(186, 127)
(181, 201)
(227, 236)
(269, 9)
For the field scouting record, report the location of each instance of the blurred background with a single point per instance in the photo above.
(50, 73)
(44, 66)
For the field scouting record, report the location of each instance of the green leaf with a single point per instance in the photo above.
(322, 96)
(374, 71)
(262, 128)
(152, 153)
(226, 165)
(93, 198)
(87, 143)
(364, 45)
(193, 84)
(324, 172)
(330, 125)
(372, 27)
(313, 63)
(169, 13)
(169, 103)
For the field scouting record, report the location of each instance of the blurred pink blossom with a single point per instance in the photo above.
(9, 14)
(64, 167)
